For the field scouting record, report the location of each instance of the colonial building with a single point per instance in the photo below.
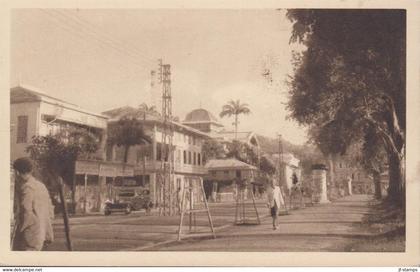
(286, 165)
(203, 120)
(220, 183)
(35, 113)
(206, 122)
(223, 176)
(361, 181)
(147, 160)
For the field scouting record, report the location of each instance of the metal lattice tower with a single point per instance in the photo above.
(166, 203)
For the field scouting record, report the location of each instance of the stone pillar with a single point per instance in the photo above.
(152, 188)
(319, 177)
(102, 180)
(214, 191)
(102, 192)
(349, 185)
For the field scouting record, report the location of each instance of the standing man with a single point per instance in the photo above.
(274, 200)
(33, 227)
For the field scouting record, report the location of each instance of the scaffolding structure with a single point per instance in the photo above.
(191, 194)
(245, 213)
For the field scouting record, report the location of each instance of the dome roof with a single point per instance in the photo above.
(200, 116)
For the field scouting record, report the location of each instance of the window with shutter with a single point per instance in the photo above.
(22, 129)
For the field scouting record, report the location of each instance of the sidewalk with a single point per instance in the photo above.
(323, 227)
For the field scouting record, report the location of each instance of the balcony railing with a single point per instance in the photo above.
(148, 166)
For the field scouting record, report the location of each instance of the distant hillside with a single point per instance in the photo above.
(271, 146)
(307, 154)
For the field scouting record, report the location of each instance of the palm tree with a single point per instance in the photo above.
(235, 108)
(146, 109)
(127, 132)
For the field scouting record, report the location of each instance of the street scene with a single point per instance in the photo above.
(332, 227)
(208, 130)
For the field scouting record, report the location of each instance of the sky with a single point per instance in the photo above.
(101, 59)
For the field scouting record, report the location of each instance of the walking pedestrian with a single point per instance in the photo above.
(33, 228)
(274, 200)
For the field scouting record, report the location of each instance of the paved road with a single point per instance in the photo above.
(326, 227)
(138, 231)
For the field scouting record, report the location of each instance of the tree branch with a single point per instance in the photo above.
(389, 142)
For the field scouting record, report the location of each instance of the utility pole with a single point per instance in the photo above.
(280, 160)
(281, 172)
(166, 174)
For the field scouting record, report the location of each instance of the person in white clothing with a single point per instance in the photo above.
(274, 200)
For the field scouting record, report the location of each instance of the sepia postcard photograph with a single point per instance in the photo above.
(210, 135)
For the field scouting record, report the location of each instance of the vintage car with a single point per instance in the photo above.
(128, 200)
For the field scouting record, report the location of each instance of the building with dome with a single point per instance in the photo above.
(203, 120)
(219, 182)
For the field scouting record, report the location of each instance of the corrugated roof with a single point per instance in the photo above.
(228, 164)
(139, 114)
(131, 112)
(240, 136)
(200, 116)
(24, 93)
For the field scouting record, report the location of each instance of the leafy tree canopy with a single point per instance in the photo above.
(213, 149)
(267, 166)
(56, 155)
(351, 79)
(127, 132)
(353, 72)
(234, 108)
(242, 152)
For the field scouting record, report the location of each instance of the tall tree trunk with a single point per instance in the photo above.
(395, 141)
(377, 184)
(126, 149)
(73, 190)
(60, 184)
(396, 192)
(332, 175)
(236, 126)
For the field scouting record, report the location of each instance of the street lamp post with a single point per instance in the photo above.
(280, 172)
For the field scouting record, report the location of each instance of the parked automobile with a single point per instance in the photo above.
(128, 200)
(116, 207)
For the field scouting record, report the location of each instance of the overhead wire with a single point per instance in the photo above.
(127, 72)
(87, 26)
(92, 28)
(79, 27)
(84, 34)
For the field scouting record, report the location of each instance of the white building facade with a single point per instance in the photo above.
(147, 158)
(34, 113)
